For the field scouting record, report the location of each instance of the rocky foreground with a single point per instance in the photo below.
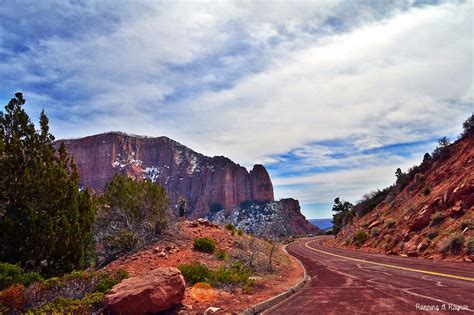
(157, 263)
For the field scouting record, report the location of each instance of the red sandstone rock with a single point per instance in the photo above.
(421, 220)
(457, 210)
(203, 181)
(295, 221)
(156, 291)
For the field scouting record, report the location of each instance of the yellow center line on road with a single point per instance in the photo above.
(392, 266)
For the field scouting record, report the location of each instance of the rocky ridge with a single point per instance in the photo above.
(209, 185)
(432, 217)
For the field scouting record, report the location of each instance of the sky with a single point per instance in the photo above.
(331, 96)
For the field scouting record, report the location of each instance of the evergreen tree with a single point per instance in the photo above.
(131, 214)
(46, 220)
(468, 127)
(343, 214)
(442, 151)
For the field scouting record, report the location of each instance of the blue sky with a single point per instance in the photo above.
(331, 96)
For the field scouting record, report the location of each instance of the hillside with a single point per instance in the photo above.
(177, 249)
(431, 217)
(208, 185)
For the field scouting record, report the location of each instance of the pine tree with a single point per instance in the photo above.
(46, 221)
(343, 214)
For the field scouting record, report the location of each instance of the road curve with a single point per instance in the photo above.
(345, 281)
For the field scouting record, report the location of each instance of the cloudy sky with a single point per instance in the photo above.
(331, 96)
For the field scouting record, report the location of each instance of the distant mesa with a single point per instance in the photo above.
(323, 224)
(208, 184)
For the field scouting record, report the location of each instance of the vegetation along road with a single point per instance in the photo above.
(346, 282)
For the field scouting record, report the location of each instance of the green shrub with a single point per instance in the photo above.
(90, 303)
(107, 281)
(121, 241)
(432, 234)
(426, 190)
(364, 225)
(230, 227)
(470, 245)
(240, 233)
(390, 224)
(78, 292)
(374, 232)
(235, 274)
(205, 244)
(359, 238)
(13, 274)
(452, 244)
(130, 215)
(221, 254)
(195, 272)
(436, 219)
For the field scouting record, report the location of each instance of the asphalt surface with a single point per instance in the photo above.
(345, 281)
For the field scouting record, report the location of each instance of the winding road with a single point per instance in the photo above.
(344, 281)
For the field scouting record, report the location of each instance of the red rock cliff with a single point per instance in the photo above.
(203, 181)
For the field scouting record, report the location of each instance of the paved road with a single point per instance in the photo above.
(351, 282)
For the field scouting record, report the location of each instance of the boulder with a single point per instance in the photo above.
(457, 210)
(422, 219)
(464, 192)
(162, 254)
(156, 291)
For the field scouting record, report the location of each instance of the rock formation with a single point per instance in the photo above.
(206, 183)
(213, 187)
(156, 291)
(271, 219)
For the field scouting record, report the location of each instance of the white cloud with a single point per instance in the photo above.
(348, 184)
(399, 79)
(252, 79)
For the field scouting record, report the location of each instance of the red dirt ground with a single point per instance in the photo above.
(287, 271)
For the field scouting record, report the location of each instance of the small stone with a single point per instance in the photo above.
(422, 246)
(211, 310)
(187, 307)
(162, 254)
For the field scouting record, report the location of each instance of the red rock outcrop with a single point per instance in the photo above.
(270, 219)
(431, 210)
(296, 223)
(156, 291)
(203, 181)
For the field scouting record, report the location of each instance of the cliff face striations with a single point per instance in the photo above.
(206, 183)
